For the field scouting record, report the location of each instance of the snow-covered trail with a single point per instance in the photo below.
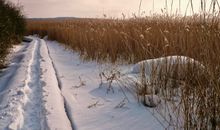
(17, 89)
(48, 87)
(56, 103)
(29, 91)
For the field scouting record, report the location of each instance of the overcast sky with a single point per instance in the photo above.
(93, 8)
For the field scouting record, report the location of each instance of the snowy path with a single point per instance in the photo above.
(48, 87)
(59, 117)
(30, 95)
(18, 87)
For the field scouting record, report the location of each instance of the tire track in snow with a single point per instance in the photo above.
(33, 107)
(66, 105)
(26, 114)
(28, 80)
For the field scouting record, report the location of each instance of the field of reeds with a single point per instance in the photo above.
(12, 28)
(136, 39)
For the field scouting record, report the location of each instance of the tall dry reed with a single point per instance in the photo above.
(133, 40)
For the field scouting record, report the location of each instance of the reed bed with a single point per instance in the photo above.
(136, 39)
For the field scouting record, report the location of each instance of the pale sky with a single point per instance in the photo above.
(95, 8)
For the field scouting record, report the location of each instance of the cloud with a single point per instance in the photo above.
(80, 8)
(90, 8)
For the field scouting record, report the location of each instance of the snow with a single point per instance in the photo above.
(26, 103)
(91, 105)
(48, 86)
(12, 90)
(54, 102)
(159, 62)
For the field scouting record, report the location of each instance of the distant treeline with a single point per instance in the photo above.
(12, 28)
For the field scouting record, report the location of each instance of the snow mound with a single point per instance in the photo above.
(158, 63)
(132, 79)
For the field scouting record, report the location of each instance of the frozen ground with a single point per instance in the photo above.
(49, 87)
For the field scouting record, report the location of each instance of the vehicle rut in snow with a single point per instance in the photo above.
(20, 107)
(66, 105)
(33, 107)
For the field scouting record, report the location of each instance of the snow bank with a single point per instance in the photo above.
(132, 78)
(158, 63)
